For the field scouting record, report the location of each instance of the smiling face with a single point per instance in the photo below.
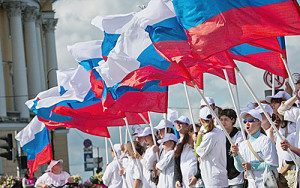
(57, 169)
(181, 127)
(252, 127)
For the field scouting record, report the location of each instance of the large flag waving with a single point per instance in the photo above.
(34, 139)
(215, 26)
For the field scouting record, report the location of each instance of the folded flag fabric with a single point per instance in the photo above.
(34, 139)
(57, 110)
(262, 57)
(218, 25)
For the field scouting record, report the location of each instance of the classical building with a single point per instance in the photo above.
(27, 66)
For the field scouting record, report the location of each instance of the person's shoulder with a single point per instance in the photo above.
(265, 139)
(64, 173)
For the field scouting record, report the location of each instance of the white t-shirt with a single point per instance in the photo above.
(132, 171)
(188, 165)
(265, 148)
(166, 165)
(111, 177)
(212, 152)
(283, 155)
(293, 115)
(53, 179)
(237, 139)
(147, 161)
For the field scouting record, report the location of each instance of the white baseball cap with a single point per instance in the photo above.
(162, 123)
(183, 119)
(254, 113)
(281, 94)
(146, 132)
(54, 162)
(138, 131)
(117, 148)
(210, 101)
(249, 106)
(168, 136)
(205, 113)
(267, 107)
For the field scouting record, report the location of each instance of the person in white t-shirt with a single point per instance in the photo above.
(132, 167)
(148, 158)
(165, 166)
(186, 169)
(111, 178)
(212, 152)
(56, 176)
(161, 134)
(261, 144)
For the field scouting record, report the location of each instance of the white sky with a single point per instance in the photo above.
(74, 26)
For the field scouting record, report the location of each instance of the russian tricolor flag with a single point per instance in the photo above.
(34, 139)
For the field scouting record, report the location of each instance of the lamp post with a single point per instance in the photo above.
(51, 131)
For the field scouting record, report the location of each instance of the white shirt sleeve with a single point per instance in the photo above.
(206, 146)
(108, 174)
(271, 157)
(292, 114)
(166, 160)
(137, 173)
(41, 179)
(148, 159)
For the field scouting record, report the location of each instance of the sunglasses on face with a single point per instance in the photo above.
(250, 120)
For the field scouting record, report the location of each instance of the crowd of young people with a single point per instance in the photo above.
(177, 156)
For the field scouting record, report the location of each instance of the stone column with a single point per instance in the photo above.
(40, 50)
(49, 27)
(2, 89)
(14, 10)
(33, 67)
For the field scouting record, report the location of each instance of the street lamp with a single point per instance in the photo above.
(48, 76)
(51, 131)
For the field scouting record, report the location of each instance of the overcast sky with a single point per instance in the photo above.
(74, 26)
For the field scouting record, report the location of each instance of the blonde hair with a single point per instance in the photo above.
(139, 148)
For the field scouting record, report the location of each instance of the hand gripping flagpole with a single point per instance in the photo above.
(288, 71)
(212, 111)
(152, 130)
(235, 105)
(132, 144)
(190, 108)
(266, 114)
(118, 162)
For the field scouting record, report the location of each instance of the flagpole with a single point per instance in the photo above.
(238, 103)
(266, 114)
(190, 109)
(132, 144)
(166, 123)
(235, 105)
(126, 136)
(152, 130)
(118, 162)
(120, 132)
(106, 151)
(211, 110)
(289, 72)
(273, 84)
